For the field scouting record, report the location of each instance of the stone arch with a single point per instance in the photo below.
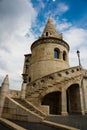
(53, 100)
(73, 99)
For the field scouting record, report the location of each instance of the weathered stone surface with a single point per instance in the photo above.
(50, 85)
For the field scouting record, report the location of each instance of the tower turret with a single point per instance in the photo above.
(49, 53)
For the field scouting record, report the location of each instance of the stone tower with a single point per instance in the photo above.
(50, 85)
(49, 54)
(48, 81)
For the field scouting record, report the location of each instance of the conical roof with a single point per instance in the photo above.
(50, 30)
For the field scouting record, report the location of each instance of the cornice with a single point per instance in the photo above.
(50, 40)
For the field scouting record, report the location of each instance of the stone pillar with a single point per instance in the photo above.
(23, 90)
(3, 93)
(61, 55)
(67, 57)
(82, 100)
(63, 103)
(85, 93)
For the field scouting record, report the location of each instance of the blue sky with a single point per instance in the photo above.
(72, 10)
(23, 21)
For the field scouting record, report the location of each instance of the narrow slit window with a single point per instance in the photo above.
(64, 56)
(46, 33)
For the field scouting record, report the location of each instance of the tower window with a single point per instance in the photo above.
(56, 53)
(29, 79)
(64, 56)
(46, 33)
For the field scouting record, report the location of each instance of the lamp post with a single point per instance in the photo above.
(78, 54)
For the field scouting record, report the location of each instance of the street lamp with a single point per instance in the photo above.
(78, 54)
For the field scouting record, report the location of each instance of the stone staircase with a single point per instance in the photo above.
(29, 106)
(36, 88)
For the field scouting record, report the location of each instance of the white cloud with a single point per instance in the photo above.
(77, 40)
(63, 26)
(76, 37)
(16, 18)
(62, 8)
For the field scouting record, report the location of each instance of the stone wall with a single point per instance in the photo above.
(43, 61)
(14, 93)
(13, 110)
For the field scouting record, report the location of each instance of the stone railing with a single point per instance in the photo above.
(39, 85)
(63, 73)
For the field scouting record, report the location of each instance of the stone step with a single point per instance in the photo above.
(29, 106)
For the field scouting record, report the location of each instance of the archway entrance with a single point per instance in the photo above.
(73, 99)
(53, 100)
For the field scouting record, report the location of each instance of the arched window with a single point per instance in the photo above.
(56, 53)
(46, 33)
(64, 56)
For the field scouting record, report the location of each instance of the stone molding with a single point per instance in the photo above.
(50, 40)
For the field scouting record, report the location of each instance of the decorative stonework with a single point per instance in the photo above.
(51, 81)
(50, 40)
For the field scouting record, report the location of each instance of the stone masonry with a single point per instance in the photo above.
(50, 86)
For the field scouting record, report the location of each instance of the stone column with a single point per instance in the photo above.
(67, 57)
(61, 55)
(85, 93)
(4, 93)
(81, 100)
(23, 91)
(63, 103)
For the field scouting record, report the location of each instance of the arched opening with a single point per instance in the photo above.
(73, 99)
(64, 56)
(46, 33)
(53, 100)
(56, 53)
